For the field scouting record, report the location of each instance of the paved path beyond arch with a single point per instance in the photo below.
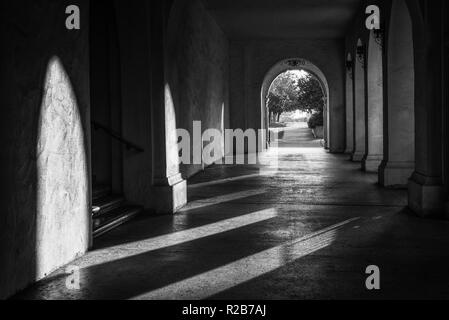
(298, 135)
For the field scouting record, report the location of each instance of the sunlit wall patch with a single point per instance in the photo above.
(62, 221)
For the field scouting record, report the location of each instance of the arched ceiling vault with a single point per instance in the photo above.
(284, 19)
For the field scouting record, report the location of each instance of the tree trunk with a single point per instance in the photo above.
(279, 116)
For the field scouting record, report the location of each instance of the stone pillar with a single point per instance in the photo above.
(426, 192)
(350, 110)
(374, 132)
(169, 189)
(399, 137)
(359, 108)
(326, 123)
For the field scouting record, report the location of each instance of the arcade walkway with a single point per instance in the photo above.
(305, 229)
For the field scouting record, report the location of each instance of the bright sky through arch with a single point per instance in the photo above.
(296, 74)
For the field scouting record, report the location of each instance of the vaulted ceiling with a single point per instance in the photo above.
(284, 19)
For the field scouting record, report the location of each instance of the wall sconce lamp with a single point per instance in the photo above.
(361, 54)
(379, 36)
(349, 65)
(350, 68)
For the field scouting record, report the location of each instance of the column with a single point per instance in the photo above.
(359, 106)
(169, 188)
(426, 192)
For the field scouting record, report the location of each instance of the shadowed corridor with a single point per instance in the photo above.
(306, 229)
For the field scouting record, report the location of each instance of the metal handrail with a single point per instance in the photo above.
(129, 145)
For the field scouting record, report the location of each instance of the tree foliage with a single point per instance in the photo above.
(293, 91)
(311, 98)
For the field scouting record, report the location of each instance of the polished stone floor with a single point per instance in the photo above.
(305, 224)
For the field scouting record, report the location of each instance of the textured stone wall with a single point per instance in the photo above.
(198, 75)
(44, 87)
(250, 62)
(135, 98)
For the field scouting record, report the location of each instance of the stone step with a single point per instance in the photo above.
(106, 204)
(113, 219)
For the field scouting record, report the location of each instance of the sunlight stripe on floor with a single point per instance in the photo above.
(223, 181)
(224, 278)
(177, 238)
(202, 203)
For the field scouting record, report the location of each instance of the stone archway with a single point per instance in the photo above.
(273, 73)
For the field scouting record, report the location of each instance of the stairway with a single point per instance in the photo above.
(110, 211)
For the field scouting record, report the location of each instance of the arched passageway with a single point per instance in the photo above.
(296, 103)
(289, 65)
(359, 103)
(282, 225)
(399, 161)
(374, 109)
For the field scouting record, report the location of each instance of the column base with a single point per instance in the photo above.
(358, 156)
(372, 163)
(396, 174)
(426, 196)
(170, 195)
